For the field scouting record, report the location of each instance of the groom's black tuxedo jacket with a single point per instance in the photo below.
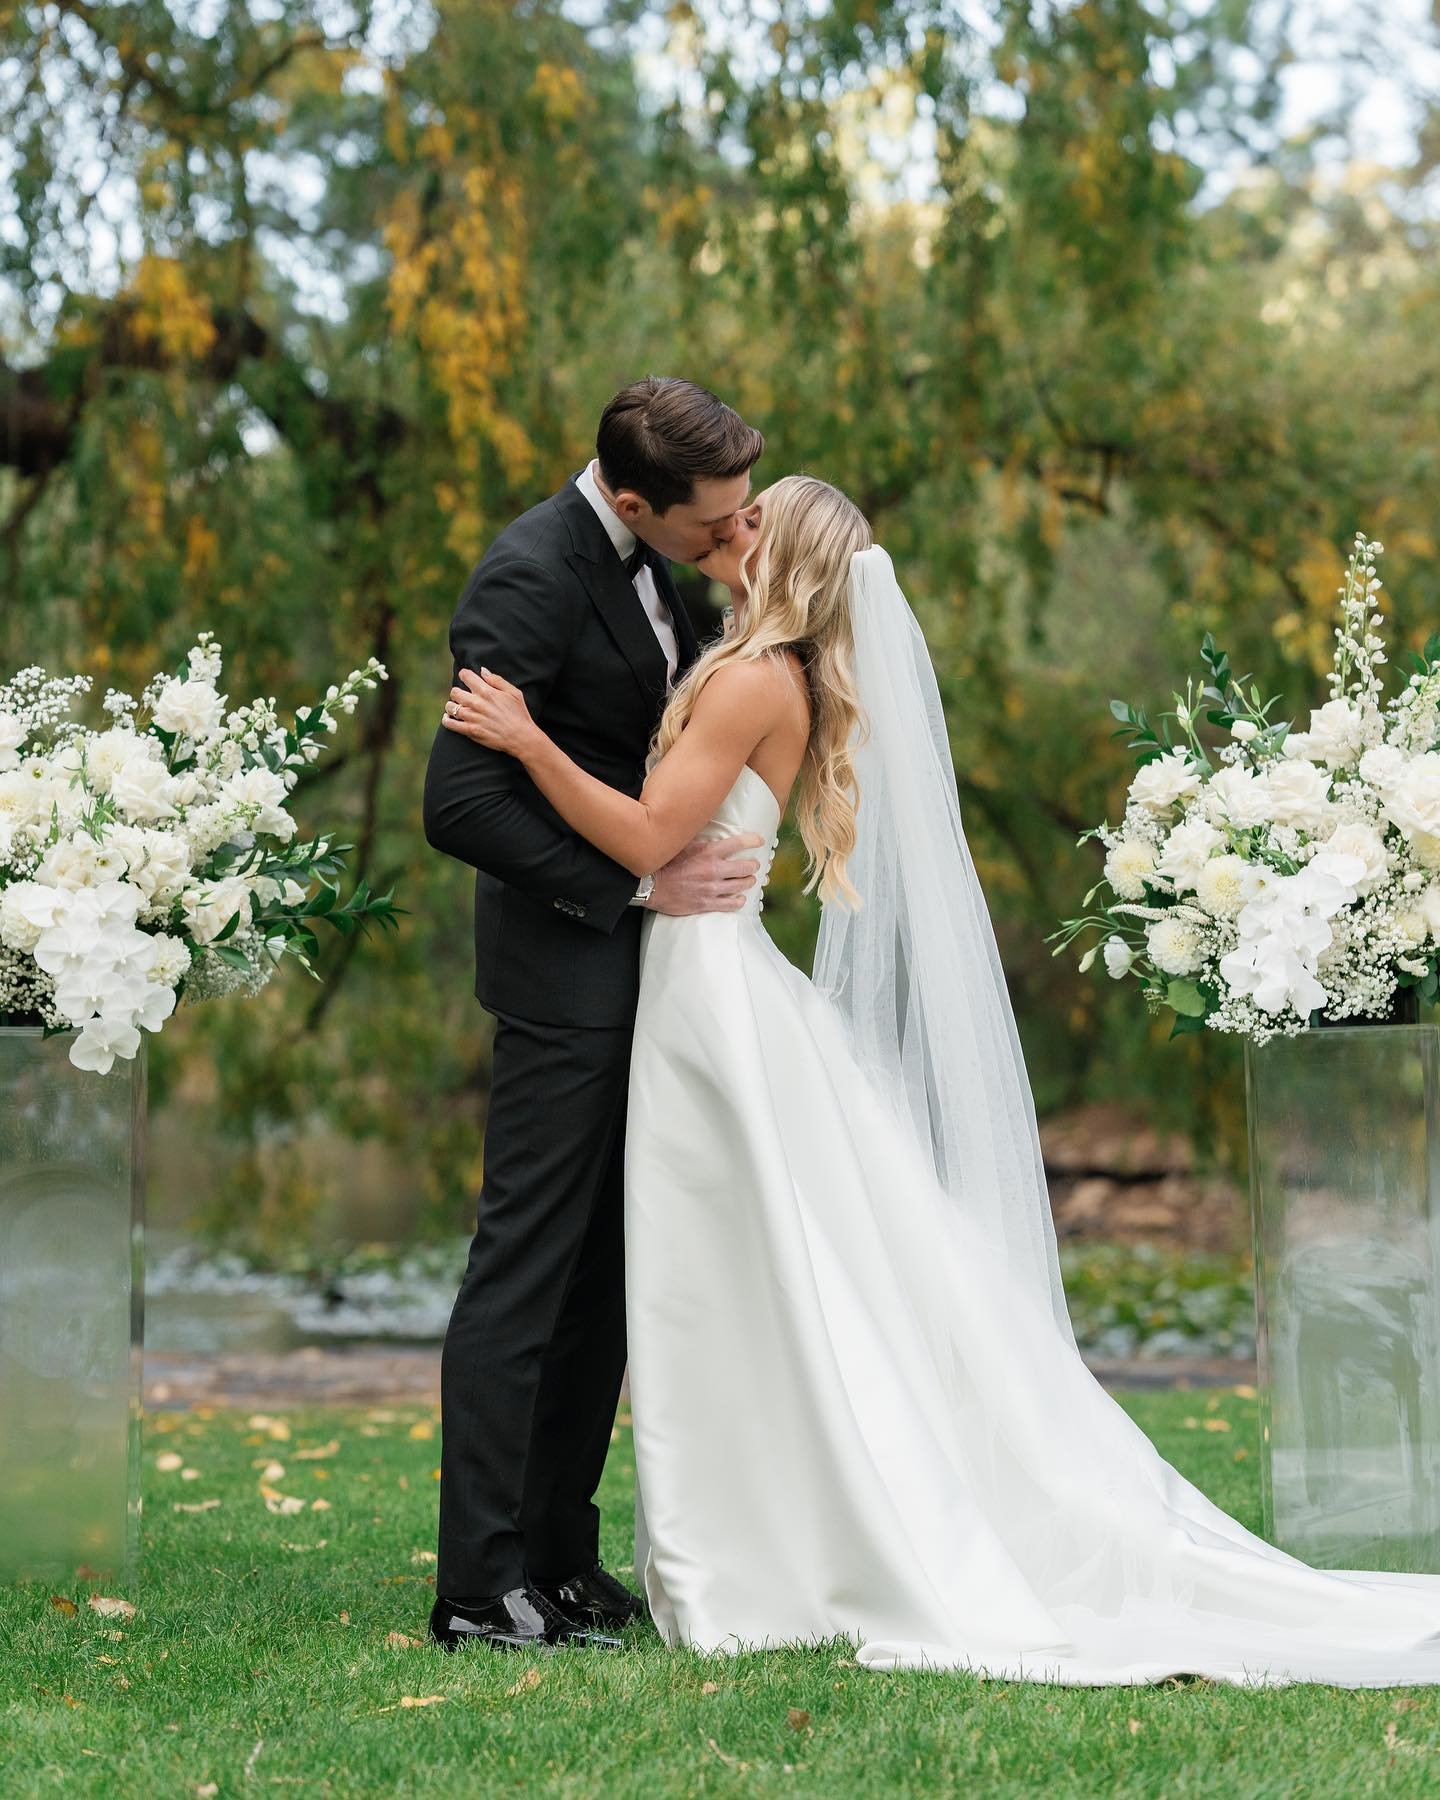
(551, 608)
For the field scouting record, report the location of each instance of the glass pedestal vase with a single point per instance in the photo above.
(72, 1186)
(1345, 1201)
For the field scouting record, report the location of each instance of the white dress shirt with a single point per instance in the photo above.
(624, 540)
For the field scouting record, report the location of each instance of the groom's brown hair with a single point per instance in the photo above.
(659, 436)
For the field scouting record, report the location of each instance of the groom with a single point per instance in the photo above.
(574, 602)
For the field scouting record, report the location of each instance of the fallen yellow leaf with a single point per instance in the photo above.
(527, 1683)
(63, 1604)
(192, 1505)
(110, 1608)
(398, 1641)
(422, 1428)
(168, 1460)
(319, 1450)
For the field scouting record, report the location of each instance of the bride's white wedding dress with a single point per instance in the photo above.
(852, 1419)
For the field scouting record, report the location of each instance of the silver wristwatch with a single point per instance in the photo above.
(644, 891)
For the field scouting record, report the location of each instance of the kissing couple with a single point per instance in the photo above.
(815, 1211)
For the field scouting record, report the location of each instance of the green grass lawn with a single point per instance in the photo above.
(270, 1654)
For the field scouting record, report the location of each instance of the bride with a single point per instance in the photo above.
(859, 1409)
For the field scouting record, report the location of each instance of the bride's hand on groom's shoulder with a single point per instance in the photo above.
(492, 711)
(707, 877)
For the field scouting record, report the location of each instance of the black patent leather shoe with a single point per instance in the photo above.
(518, 1620)
(593, 1598)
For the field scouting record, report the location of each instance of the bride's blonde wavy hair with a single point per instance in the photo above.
(797, 597)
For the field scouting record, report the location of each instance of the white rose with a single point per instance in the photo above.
(1240, 797)
(1356, 838)
(1118, 956)
(1225, 884)
(12, 736)
(1243, 730)
(107, 752)
(1335, 734)
(1411, 798)
(1175, 946)
(1159, 784)
(20, 795)
(1299, 792)
(27, 910)
(191, 707)
(72, 863)
(1184, 852)
(141, 789)
(1127, 866)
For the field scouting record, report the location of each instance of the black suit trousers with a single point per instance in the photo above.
(534, 1353)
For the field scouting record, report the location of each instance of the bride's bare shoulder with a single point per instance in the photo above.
(766, 684)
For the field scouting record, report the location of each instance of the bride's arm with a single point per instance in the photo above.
(738, 707)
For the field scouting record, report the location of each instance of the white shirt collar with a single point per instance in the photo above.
(618, 532)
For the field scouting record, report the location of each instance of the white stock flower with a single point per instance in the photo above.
(1127, 866)
(192, 707)
(172, 959)
(1159, 784)
(1175, 946)
(1240, 797)
(209, 906)
(1299, 792)
(1119, 956)
(142, 789)
(1225, 884)
(264, 789)
(1186, 850)
(27, 910)
(1381, 764)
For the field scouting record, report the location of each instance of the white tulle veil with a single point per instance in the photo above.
(915, 970)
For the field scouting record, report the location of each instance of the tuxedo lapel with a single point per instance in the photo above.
(612, 593)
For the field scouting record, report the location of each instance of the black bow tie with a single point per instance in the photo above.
(637, 558)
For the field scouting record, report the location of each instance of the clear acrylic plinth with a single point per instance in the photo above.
(1345, 1201)
(72, 1159)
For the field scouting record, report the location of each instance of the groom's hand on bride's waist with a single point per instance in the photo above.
(707, 876)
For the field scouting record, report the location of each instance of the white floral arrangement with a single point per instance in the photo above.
(1285, 877)
(142, 865)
